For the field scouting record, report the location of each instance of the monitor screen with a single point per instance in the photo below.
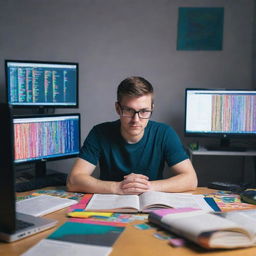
(46, 137)
(223, 113)
(41, 84)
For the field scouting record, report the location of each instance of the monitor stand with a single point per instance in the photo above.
(40, 169)
(42, 179)
(225, 146)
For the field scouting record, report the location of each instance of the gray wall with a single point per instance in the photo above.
(114, 39)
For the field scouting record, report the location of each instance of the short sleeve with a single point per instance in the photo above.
(90, 150)
(174, 149)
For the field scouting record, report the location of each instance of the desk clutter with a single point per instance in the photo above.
(228, 201)
(95, 232)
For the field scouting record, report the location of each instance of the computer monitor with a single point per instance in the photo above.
(13, 225)
(41, 84)
(40, 138)
(220, 113)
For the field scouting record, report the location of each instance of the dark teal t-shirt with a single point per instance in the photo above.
(117, 158)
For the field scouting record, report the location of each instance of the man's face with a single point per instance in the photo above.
(132, 128)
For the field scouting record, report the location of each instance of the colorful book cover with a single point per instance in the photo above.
(84, 200)
(228, 201)
(59, 193)
(78, 239)
(116, 219)
(91, 234)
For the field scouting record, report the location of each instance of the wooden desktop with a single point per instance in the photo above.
(131, 242)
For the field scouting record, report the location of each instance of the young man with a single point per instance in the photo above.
(132, 151)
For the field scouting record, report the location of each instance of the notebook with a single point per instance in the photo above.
(13, 226)
(43, 204)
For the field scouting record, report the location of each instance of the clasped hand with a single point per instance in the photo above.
(134, 184)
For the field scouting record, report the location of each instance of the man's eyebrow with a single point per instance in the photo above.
(147, 109)
(127, 107)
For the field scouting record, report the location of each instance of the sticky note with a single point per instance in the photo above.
(82, 214)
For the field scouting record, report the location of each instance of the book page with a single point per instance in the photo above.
(106, 202)
(192, 225)
(245, 218)
(155, 200)
(51, 247)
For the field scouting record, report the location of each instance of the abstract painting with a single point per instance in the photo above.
(200, 28)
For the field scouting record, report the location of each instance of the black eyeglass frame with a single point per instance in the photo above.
(135, 112)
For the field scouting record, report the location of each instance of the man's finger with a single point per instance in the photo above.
(135, 180)
(134, 190)
(134, 175)
(135, 185)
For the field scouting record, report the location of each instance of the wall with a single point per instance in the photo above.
(117, 38)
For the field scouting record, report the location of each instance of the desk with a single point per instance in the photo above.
(132, 242)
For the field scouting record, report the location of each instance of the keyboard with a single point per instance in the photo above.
(20, 224)
(236, 188)
(56, 179)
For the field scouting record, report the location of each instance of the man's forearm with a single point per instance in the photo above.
(88, 184)
(178, 183)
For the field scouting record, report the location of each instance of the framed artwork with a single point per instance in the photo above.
(200, 28)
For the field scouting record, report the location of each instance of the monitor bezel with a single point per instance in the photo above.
(214, 134)
(54, 158)
(7, 181)
(41, 106)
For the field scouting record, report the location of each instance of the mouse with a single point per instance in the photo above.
(248, 196)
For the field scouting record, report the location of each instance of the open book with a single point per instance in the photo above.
(234, 229)
(145, 202)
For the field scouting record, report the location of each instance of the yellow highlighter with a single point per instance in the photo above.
(81, 214)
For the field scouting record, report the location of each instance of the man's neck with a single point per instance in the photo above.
(131, 139)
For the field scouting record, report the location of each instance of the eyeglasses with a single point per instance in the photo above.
(130, 112)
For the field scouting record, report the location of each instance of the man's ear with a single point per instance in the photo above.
(153, 105)
(117, 108)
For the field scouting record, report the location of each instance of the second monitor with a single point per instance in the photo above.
(221, 113)
(39, 138)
